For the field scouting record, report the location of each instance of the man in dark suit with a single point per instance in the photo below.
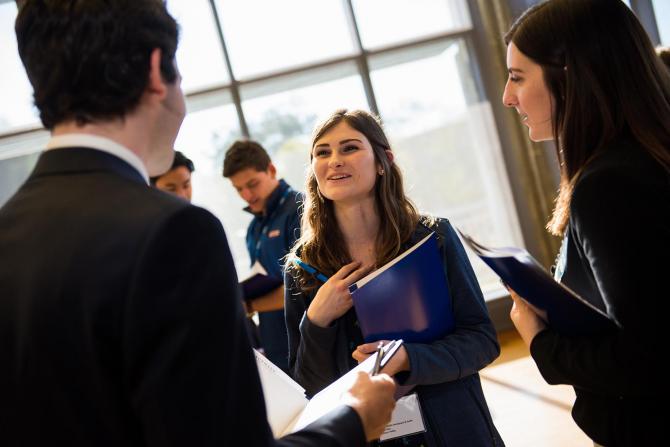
(102, 341)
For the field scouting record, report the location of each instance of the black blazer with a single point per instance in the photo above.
(617, 242)
(120, 318)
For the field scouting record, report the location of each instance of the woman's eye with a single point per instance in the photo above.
(321, 153)
(349, 148)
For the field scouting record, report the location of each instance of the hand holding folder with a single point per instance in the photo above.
(566, 312)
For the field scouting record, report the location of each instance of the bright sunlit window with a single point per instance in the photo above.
(293, 62)
(266, 36)
(662, 12)
(16, 109)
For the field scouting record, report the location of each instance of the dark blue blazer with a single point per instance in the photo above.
(444, 371)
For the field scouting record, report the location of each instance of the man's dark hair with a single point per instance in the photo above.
(244, 154)
(179, 160)
(89, 60)
(664, 54)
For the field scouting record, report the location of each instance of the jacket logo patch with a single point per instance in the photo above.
(274, 233)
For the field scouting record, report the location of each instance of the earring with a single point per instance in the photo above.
(381, 172)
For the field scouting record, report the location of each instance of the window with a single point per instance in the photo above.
(291, 63)
(385, 22)
(199, 54)
(16, 109)
(662, 13)
(438, 124)
(267, 36)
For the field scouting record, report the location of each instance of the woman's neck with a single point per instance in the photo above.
(359, 225)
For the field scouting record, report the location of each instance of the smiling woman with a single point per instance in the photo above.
(357, 217)
(344, 164)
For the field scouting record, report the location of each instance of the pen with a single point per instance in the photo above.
(309, 269)
(378, 360)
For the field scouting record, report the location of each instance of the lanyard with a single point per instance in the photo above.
(268, 220)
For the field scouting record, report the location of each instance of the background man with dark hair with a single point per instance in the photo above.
(104, 339)
(270, 235)
(177, 180)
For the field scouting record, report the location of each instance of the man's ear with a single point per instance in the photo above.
(272, 170)
(156, 85)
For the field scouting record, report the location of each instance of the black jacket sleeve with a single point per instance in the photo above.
(619, 219)
(188, 367)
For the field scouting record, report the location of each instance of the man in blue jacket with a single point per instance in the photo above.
(271, 233)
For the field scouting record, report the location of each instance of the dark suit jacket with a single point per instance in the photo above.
(617, 242)
(120, 321)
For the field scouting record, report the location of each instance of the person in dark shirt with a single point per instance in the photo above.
(584, 73)
(270, 235)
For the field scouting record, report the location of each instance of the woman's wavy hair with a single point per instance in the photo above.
(605, 80)
(318, 244)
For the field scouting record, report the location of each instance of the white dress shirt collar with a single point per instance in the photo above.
(101, 144)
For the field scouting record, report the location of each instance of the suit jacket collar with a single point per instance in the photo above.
(74, 160)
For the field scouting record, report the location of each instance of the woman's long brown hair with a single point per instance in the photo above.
(606, 83)
(320, 243)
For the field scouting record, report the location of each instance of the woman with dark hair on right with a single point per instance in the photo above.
(584, 73)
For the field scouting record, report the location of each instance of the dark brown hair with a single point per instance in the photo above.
(244, 154)
(605, 80)
(397, 215)
(89, 60)
(179, 160)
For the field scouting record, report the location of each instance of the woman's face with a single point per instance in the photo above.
(528, 94)
(344, 164)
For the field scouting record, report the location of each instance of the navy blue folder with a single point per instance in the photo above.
(407, 298)
(567, 312)
(258, 283)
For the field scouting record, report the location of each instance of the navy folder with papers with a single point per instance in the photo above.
(567, 312)
(258, 283)
(408, 298)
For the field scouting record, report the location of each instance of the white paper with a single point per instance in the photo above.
(330, 397)
(287, 408)
(406, 419)
(284, 398)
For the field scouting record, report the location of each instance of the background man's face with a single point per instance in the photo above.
(255, 186)
(176, 181)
